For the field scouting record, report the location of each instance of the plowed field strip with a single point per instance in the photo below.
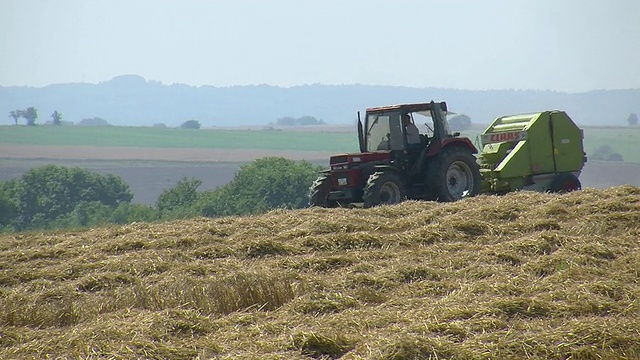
(8, 151)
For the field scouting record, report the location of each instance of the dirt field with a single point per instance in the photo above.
(11, 151)
(151, 171)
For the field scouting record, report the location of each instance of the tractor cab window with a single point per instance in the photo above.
(424, 122)
(383, 131)
(447, 128)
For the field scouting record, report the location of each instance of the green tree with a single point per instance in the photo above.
(303, 120)
(309, 120)
(181, 198)
(56, 118)
(265, 184)
(7, 208)
(190, 124)
(127, 213)
(460, 122)
(218, 202)
(632, 119)
(31, 115)
(96, 121)
(286, 121)
(15, 115)
(50, 192)
(93, 213)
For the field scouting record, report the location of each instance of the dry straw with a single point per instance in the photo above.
(525, 275)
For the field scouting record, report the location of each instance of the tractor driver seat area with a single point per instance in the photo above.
(417, 147)
(417, 156)
(424, 140)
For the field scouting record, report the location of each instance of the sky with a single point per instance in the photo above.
(568, 46)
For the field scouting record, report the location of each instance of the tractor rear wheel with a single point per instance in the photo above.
(383, 188)
(565, 182)
(453, 175)
(319, 192)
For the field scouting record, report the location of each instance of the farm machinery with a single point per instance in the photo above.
(541, 151)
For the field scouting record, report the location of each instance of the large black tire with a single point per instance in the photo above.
(383, 187)
(453, 175)
(565, 182)
(319, 192)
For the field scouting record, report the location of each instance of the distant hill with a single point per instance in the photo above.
(132, 100)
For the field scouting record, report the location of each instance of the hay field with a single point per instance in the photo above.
(526, 275)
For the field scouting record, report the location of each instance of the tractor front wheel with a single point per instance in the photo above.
(383, 188)
(319, 192)
(454, 175)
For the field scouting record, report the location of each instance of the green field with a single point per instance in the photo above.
(179, 138)
(625, 141)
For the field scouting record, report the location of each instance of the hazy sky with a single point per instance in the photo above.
(564, 45)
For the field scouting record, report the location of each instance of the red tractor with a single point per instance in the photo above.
(396, 162)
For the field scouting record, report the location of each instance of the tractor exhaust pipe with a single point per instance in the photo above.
(361, 139)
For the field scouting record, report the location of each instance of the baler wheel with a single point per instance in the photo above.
(564, 183)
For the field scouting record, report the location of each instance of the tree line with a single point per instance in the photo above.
(30, 115)
(58, 197)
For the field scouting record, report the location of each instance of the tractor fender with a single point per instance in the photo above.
(384, 168)
(450, 142)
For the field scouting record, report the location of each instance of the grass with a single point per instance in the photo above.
(179, 138)
(525, 275)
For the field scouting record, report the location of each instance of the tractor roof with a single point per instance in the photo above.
(410, 107)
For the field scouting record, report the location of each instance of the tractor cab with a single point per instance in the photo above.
(407, 128)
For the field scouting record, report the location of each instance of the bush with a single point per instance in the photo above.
(179, 199)
(48, 193)
(93, 213)
(265, 184)
(127, 213)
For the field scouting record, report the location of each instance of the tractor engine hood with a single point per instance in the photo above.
(344, 161)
